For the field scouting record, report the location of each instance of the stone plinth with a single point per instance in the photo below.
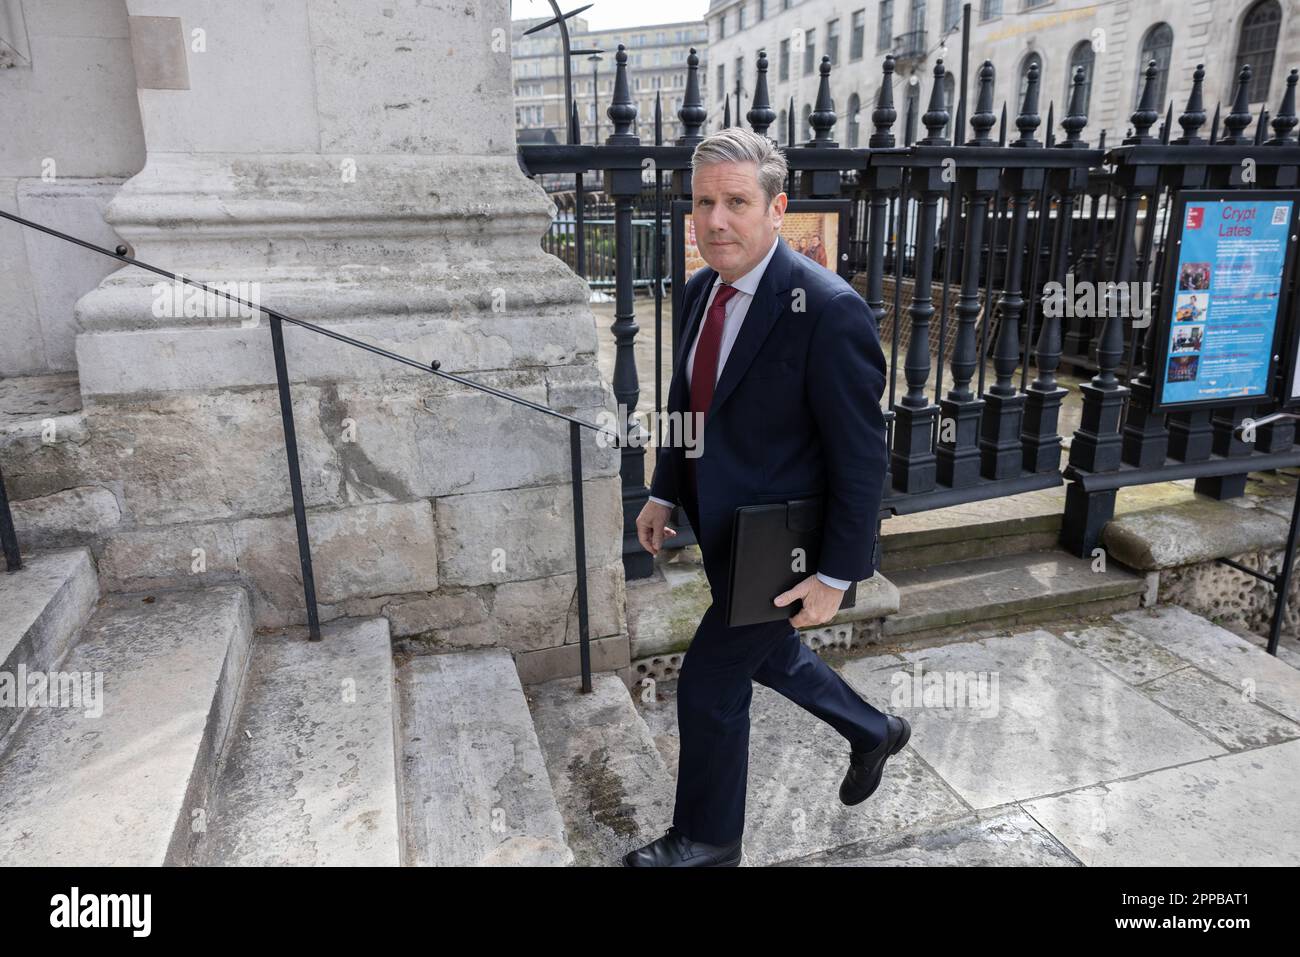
(352, 165)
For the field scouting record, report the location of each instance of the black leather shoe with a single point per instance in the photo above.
(866, 767)
(675, 849)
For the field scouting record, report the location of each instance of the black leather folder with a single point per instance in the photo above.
(763, 543)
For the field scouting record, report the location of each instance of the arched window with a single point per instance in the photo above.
(855, 104)
(1084, 56)
(1158, 45)
(1031, 60)
(1256, 46)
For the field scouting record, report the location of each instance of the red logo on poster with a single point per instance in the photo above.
(1195, 216)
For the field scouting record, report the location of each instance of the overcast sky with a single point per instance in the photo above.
(611, 14)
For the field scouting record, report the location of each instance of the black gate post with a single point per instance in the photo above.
(956, 448)
(1041, 440)
(624, 187)
(1004, 404)
(1098, 443)
(913, 461)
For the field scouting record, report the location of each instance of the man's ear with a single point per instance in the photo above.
(780, 203)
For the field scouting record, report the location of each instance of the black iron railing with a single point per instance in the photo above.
(124, 255)
(966, 234)
(8, 537)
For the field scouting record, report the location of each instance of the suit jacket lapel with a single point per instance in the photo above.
(759, 320)
(684, 347)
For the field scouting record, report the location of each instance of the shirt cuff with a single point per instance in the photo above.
(833, 582)
(669, 504)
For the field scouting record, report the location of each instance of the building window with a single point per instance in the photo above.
(858, 35)
(722, 81)
(782, 122)
(885, 30)
(740, 74)
(722, 25)
(854, 105)
(916, 17)
(762, 9)
(990, 9)
(1158, 45)
(807, 123)
(1084, 56)
(1257, 45)
(809, 51)
(783, 60)
(833, 41)
(951, 14)
(740, 18)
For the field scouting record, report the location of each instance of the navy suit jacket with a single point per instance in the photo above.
(796, 413)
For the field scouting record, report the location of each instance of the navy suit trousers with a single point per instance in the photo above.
(714, 689)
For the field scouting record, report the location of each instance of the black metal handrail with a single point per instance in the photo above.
(8, 536)
(124, 254)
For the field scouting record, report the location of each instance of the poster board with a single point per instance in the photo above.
(816, 228)
(1228, 308)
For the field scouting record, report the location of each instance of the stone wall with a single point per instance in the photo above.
(377, 194)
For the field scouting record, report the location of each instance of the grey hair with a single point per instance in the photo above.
(735, 144)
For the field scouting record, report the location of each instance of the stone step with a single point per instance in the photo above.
(1007, 590)
(1007, 525)
(309, 776)
(611, 783)
(475, 789)
(45, 603)
(114, 779)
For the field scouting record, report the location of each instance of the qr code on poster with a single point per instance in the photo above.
(1281, 214)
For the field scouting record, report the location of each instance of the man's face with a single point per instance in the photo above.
(734, 223)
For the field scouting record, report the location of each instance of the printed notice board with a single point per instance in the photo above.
(1225, 315)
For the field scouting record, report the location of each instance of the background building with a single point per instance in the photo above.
(656, 63)
(1113, 41)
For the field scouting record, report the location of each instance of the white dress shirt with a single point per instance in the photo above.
(733, 315)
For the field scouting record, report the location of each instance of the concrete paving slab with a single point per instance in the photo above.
(1130, 655)
(1000, 837)
(796, 764)
(1049, 718)
(1219, 710)
(1218, 652)
(1235, 810)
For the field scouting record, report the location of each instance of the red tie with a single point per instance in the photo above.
(704, 372)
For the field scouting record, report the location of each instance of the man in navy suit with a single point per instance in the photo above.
(780, 362)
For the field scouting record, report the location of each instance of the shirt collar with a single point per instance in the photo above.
(748, 283)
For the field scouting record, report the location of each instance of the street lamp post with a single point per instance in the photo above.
(595, 59)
